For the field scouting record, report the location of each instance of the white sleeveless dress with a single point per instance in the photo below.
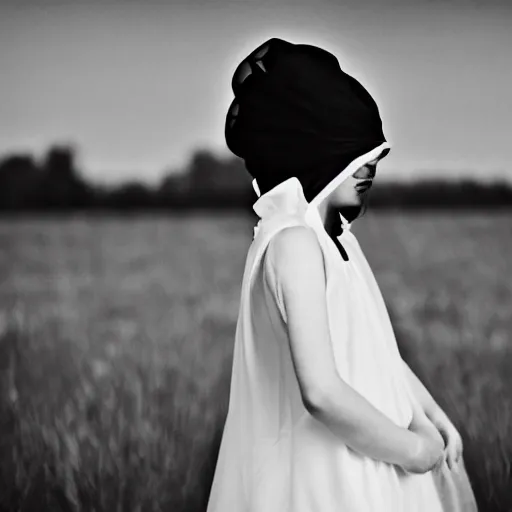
(274, 456)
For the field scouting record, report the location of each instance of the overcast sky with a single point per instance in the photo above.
(136, 86)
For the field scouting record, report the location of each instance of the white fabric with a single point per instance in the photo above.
(274, 456)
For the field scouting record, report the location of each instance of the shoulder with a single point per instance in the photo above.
(294, 251)
(289, 241)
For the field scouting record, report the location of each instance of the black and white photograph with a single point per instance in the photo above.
(255, 256)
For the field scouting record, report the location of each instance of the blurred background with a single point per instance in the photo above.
(125, 223)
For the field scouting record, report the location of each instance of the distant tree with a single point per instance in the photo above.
(175, 184)
(204, 172)
(210, 173)
(62, 186)
(59, 163)
(132, 195)
(19, 176)
(233, 177)
(207, 182)
(214, 182)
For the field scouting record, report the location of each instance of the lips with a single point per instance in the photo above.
(364, 185)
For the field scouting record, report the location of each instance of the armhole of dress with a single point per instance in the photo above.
(270, 275)
(270, 271)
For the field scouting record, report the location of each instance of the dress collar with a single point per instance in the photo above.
(288, 198)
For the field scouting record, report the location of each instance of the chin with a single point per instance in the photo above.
(357, 201)
(355, 209)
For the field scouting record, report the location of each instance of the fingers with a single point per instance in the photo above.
(450, 458)
(444, 435)
(453, 445)
(441, 461)
(453, 453)
(459, 451)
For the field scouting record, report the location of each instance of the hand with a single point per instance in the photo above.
(451, 437)
(429, 442)
(430, 445)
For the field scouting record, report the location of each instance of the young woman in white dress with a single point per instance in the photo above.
(324, 414)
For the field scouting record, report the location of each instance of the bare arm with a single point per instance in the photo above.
(297, 261)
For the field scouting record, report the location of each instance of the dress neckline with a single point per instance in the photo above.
(288, 196)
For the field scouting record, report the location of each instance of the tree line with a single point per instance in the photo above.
(55, 184)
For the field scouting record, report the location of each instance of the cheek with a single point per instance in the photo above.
(339, 194)
(345, 193)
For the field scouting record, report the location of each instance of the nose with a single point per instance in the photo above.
(371, 171)
(366, 172)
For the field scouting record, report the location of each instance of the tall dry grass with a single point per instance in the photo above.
(116, 343)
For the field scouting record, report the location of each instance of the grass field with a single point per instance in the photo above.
(116, 341)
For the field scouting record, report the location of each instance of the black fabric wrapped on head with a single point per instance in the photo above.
(296, 113)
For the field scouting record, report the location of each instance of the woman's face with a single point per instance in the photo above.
(355, 189)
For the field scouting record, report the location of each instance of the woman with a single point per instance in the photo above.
(324, 415)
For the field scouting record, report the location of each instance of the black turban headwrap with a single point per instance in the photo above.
(296, 113)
